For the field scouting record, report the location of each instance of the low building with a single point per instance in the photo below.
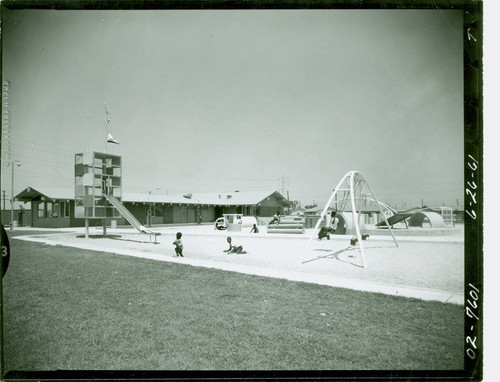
(22, 216)
(50, 208)
(54, 208)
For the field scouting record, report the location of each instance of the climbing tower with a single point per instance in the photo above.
(96, 175)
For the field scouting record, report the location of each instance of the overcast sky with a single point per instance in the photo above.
(207, 101)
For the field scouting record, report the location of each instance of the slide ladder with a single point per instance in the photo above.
(128, 215)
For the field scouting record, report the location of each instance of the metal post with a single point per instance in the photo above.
(288, 201)
(12, 194)
(12, 199)
(106, 122)
(86, 228)
(356, 222)
(323, 213)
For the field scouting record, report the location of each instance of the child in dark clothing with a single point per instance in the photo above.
(276, 219)
(178, 245)
(323, 232)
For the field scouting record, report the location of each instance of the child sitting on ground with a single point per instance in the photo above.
(323, 232)
(178, 245)
(234, 249)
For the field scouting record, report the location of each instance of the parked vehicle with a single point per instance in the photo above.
(245, 221)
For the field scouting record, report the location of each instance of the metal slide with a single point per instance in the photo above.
(394, 219)
(128, 215)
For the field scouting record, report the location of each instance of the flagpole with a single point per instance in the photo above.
(109, 137)
(106, 121)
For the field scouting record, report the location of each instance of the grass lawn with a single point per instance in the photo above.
(66, 308)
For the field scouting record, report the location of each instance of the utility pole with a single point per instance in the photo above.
(12, 163)
(283, 185)
(288, 201)
(4, 197)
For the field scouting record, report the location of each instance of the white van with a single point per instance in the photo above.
(226, 219)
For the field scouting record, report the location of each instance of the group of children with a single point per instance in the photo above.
(238, 249)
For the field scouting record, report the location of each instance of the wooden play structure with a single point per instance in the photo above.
(352, 193)
(96, 174)
(98, 190)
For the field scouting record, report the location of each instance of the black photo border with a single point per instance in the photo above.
(473, 194)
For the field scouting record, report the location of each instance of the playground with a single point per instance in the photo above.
(68, 308)
(414, 277)
(428, 268)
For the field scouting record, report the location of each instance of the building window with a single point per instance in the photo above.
(49, 210)
(55, 211)
(41, 209)
(158, 210)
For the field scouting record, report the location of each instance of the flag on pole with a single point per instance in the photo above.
(112, 140)
(106, 115)
(107, 119)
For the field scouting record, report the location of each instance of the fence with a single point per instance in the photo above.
(22, 218)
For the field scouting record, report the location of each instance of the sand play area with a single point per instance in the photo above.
(429, 268)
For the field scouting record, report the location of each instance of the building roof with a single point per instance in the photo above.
(313, 210)
(30, 193)
(223, 199)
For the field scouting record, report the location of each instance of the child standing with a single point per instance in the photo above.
(178, 245)
(334, 222)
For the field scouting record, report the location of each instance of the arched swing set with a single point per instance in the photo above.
(354, 193)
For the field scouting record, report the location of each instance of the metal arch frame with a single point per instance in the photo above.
(387, 207)
(351, 176)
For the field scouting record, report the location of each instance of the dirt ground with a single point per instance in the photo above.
(417, 267)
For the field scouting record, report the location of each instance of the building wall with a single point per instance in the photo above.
(49, 214)
(41, 217)
(177, 214)
(171, 214)
(163, 213)
(168, 214)
(74, 222)
(231, 210)
(270, 206)
(22, 218)
(208, 214)
(139, 210)
(191, 214)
